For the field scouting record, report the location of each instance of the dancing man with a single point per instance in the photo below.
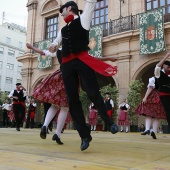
(162, 73)
(78, 66)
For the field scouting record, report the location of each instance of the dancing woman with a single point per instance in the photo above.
(151, 108)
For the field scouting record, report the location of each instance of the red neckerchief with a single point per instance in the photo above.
(69, 18)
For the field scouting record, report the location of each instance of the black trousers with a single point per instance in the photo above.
(19, 112)
(76, 71)
(5, 118)
(29, 120)
(165, 100)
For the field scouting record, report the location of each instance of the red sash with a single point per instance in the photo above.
(97, 65)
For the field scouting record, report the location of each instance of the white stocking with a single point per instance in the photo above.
(61, 120)
(50, 115)
(148, 121)
(94, 127)
(127, 129)
(121, 128)
(91, 127)
(155, 125)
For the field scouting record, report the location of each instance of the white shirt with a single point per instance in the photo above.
(85, 19)
(151, 82)
(111, 102)
(124, 104)
(12, 92)
(6, 106)
(157, 71)
(34, 104)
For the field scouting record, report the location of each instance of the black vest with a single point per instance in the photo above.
(164, 82)
(31, 109)
(124, 107)
(108, 105)
(156, 83)
(19, 95)
(75, 38)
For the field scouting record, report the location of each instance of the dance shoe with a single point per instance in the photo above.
(153, 135)
(18, 129)
(57, 139)
(43, 132)
(122, 131)
(114, 128)
(146, 132)
(85, 143)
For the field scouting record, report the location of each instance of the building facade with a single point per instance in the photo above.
(12, 45)
(120, 20)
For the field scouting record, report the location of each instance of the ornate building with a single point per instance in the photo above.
(120, 20)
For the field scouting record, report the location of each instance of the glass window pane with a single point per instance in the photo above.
(102, 19)
(101, 4)
(97, 21)
(55, 27)
(155, 4)
(148, 7)
(55, 20)
(106, 9)
(96, 13)
(92, 22)
(162, 2)
(101, 12)
(51, 29)
(55, 33)
(106, 2)
(169, 9)
(97, 5)
(106, 18)
(168, 1)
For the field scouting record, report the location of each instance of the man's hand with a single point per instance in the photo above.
(29, 46)
(15, 97)
(52, 49)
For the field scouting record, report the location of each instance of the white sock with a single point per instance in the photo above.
(121, 128)
(91, 127)
(155, 125)
(50, 115)
(148, 121)
(127, 129)
(61, 120)
(94, 127)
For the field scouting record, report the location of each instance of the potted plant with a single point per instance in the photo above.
(165, 127)
(133, 99)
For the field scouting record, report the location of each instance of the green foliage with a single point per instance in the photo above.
(134, 98)
(86, 101)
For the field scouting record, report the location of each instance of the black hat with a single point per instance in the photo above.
(167, 62)
(18, 84)
(67, 4)
(107, 93)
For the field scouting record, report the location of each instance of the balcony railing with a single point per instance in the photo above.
(128, 23)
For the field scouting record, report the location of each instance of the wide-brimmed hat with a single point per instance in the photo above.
(67, 4)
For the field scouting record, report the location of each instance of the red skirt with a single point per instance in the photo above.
(51, 90)
(153, 107)
(93, 117)
(123, 118)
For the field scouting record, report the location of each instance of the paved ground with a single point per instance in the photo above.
(25, 150)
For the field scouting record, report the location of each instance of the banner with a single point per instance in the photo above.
(44, 61)
(95, 41)
(151, 30)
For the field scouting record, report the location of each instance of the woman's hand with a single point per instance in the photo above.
(144, 100)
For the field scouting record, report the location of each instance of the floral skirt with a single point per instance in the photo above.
(51, 90)
(153, 107)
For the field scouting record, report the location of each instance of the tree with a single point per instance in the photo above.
(134, 98)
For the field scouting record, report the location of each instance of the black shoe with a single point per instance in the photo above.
(18, 129)
(146, 132)
(85, 143)
(57, 139)
(114, 128)
(43, 132)
(121, 130)
(153, 135)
